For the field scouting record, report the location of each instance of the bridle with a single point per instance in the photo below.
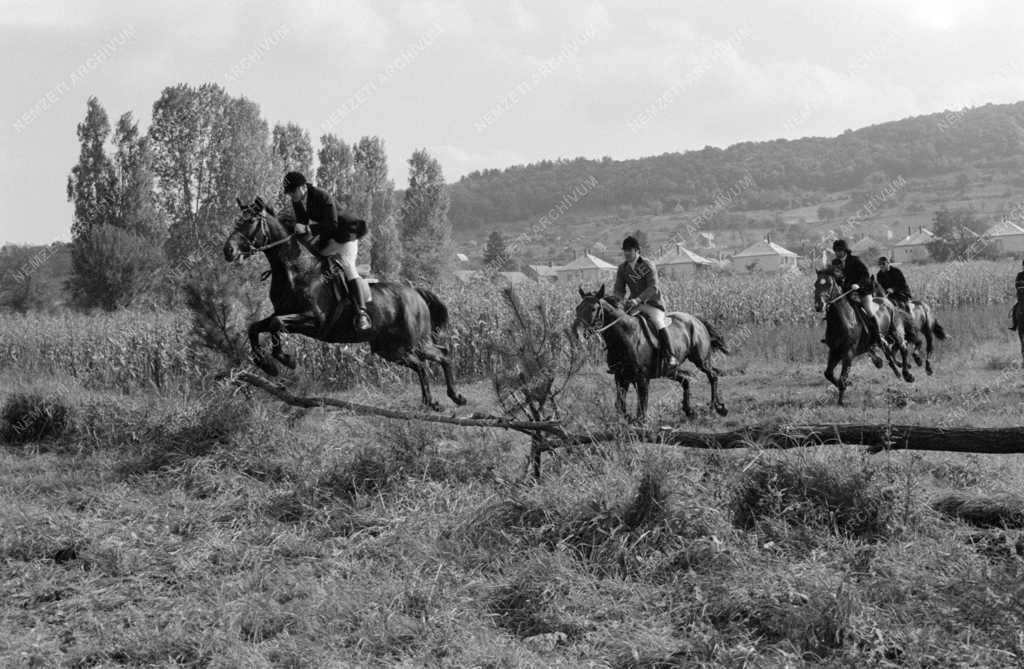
(263, 230)
(827, 300)
(595, 329)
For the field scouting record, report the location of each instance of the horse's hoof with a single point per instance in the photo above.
(928, 370)
(917, 360)
(459, 400)
(721, 410)
(689, 413)
(877, 362)
(434, 406)
(908, 377)
(268, 367)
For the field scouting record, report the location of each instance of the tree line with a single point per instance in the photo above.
(782, 174)
(145, 203)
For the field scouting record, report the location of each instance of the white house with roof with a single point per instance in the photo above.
(586, 270)
(913, 248)
(764, 256)
(1007, 237)
(542, 273)
(682, 262)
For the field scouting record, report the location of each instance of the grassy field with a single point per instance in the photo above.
(212, 527)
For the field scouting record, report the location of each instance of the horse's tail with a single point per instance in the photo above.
(717, 340)
(438, 311)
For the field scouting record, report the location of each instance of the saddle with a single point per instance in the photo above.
(648, 329)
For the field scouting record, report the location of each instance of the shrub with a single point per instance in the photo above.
(806, 494)
(29, 417)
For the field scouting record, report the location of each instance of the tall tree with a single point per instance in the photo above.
(425, 229)
(207, 149)
(336, 172)
(292, 149)
(958, 235)
(373, 200)
(91, 183)
(495, 253)
(136, 209)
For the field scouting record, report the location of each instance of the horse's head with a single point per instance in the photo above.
(255, 228)
(589, 312)
(826, 288)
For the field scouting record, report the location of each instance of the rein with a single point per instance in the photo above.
(598, 330)
(839, 297)
(266, 233)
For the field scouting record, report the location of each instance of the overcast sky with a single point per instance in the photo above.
(489, 84)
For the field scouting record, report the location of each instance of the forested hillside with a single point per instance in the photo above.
(784, 173)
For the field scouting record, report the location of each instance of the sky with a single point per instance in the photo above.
(492, 83)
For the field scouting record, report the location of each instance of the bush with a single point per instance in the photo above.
(804, 494)
(33, 417)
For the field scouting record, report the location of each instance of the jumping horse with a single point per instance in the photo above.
(408, 323)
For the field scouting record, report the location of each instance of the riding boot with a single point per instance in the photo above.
(361, 321)
(667, 361)
(873, 331)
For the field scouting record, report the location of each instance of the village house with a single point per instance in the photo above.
(1007, 237)
(586, 270)
(764, 256)
(682, 262)
(542, 273)
(913, 248)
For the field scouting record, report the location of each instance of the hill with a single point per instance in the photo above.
(947, 159)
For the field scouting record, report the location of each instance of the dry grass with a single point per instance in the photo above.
(209, 528)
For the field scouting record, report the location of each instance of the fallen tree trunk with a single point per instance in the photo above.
(551, 435)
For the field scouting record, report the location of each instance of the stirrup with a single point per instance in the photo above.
(362, 320)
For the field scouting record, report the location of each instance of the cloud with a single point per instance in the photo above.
(43, 16)
(458, 161)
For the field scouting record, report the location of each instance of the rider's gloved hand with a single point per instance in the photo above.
(855, 287)
(630, 304)
(301, 229)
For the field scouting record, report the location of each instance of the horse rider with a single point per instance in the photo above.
(640, 277)
(857, 282)
(1018, 285)
(337, 238)
(894, 284)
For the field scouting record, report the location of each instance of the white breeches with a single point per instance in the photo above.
(346, 254)
(656, 315)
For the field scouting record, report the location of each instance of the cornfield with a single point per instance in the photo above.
(130, 349)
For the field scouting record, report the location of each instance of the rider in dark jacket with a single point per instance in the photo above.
(1018, 285)
(337, 237)
(893, 282)
(857, 282)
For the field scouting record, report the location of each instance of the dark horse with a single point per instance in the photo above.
(847, 337)
(633, 359)
(920, 327)
(407, 322)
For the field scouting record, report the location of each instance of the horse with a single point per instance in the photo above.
(847, 337)
(920, 327)
(1017, 318)
(634, 360)
(408, 323)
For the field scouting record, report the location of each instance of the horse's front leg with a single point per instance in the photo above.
(621, 388)
(830, 373)
(258, 357)
(306, 323)
(643, 387)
